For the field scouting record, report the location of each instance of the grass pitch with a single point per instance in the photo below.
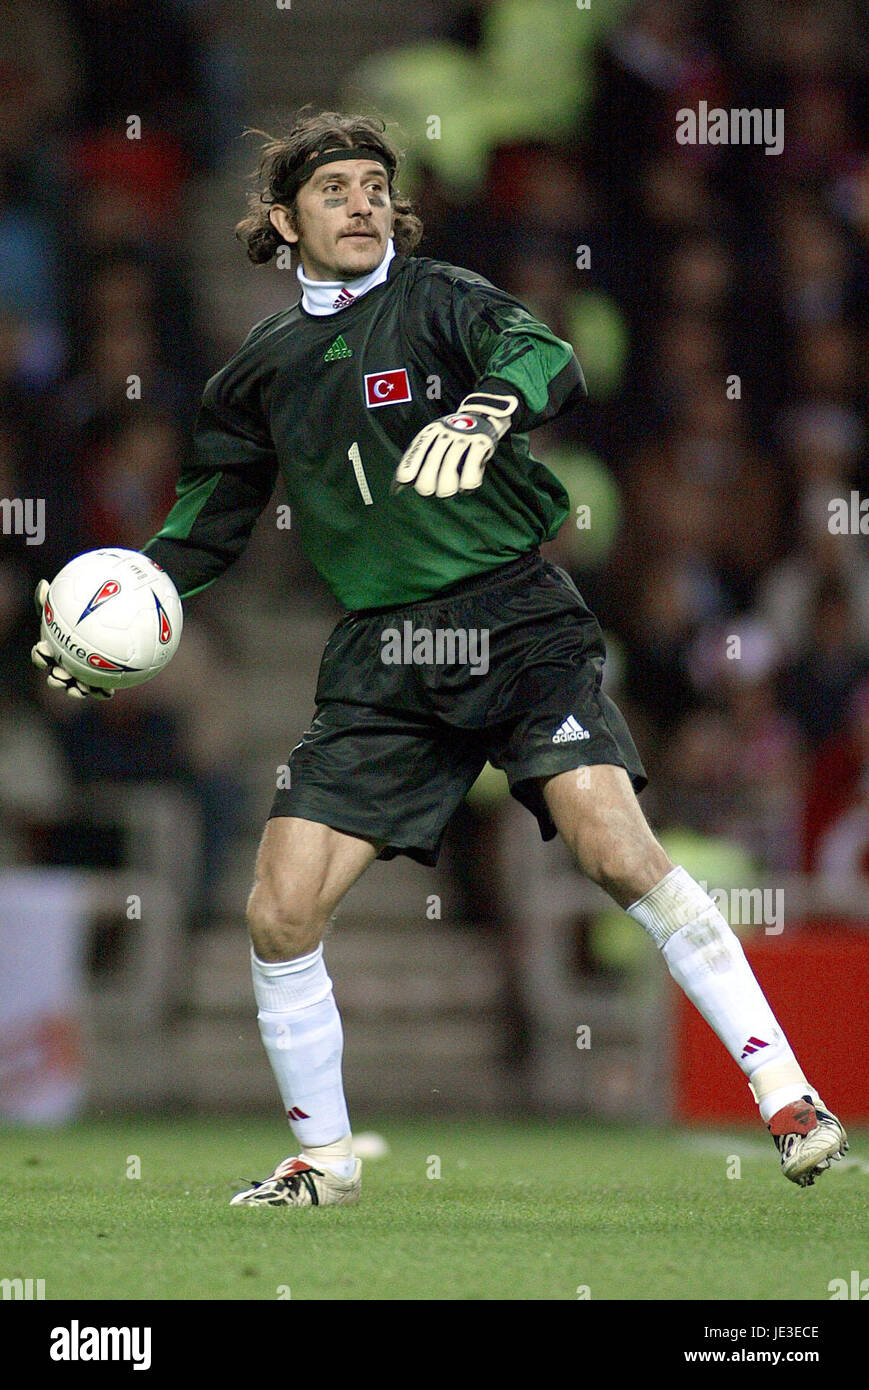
(521, 1210)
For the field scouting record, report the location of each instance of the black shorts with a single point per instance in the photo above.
(413, 701)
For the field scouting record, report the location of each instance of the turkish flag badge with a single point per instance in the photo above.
(387, 388)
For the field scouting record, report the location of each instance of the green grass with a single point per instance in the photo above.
(522, 1210)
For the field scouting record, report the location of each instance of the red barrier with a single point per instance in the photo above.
(816, 978)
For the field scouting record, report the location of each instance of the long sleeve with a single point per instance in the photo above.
(221, 493)
(510, 348)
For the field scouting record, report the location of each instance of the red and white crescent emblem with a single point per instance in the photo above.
(387, 388)
(462, 422)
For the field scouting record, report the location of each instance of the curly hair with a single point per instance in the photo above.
(282, 156)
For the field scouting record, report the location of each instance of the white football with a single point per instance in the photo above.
(114, 618)
(370, 1145)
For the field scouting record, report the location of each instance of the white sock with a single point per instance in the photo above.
(705, 958)
(301, 1031)
(337, 1157)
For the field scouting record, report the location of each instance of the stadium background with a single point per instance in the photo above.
(534, 130)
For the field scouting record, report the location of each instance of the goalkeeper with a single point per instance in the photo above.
(395, 401)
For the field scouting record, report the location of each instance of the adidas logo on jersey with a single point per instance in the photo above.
(343, 299)
(338, 350)
(570, 732)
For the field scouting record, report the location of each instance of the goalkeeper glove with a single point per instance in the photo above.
(450, 454)
(44, 656)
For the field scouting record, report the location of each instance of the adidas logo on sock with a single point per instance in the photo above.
(753, 1045)
(570, 731)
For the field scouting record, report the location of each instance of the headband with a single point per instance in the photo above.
(301, 175)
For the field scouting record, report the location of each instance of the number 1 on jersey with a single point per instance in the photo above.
(356, 459)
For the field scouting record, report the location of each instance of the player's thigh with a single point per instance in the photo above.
(596, 812)
(303, 870)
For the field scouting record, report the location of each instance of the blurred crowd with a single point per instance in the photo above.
(715, 296)
(111, 113)
(717, 299)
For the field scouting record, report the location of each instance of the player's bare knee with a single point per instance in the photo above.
(282, 930)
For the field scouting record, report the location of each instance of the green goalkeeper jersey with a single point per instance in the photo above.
(330, 403)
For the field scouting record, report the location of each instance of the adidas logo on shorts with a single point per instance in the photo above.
(571, 730)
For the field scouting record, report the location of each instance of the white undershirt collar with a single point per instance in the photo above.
(321, 297)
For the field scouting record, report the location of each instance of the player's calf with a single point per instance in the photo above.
(602, 824)
(704, 957)
(303, 870)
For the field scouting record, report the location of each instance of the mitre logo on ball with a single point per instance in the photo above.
(113, 617)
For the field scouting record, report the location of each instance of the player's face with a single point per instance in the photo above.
(343, 220)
